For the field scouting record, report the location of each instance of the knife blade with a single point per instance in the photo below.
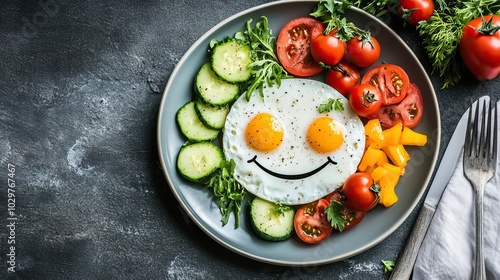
(407, 258)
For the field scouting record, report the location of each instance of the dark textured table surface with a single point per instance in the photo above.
(80, 88)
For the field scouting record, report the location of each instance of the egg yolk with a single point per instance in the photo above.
(324, 135)
(264, 133)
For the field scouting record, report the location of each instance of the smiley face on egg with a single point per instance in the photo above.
(285, 150)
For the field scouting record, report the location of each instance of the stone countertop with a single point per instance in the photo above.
(80, 88)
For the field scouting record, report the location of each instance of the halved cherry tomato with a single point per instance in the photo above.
(328, 49)
(343, 77)
(363, 52)
(409, 112)
(293, 46)
(310, 222)
(352, 217)
(361, 192)
(365, 100)
(391, 80)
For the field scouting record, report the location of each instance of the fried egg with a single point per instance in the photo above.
(285, 150)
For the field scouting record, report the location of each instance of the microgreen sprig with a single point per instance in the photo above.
(229, 192)
(266, 68)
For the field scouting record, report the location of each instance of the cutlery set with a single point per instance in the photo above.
(477, 132)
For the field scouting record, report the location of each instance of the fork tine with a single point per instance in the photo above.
(495, 132)
(485, 134)
(468, 135)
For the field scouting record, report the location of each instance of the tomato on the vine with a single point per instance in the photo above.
(414, 11)
(343, 77)
(361, 192)
(293, 46)
(365, 100)
(479, 47)
(328, 49)
(310, 222)
(363, 51)
(351, 217)
(391, 80)
(409, 112)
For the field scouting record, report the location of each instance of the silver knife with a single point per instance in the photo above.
(406, 260)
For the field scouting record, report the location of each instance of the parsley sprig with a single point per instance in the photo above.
(388, 265)
(335, 215)
(229, 192)
(332, 104)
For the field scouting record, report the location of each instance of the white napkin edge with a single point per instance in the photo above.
(447, 251)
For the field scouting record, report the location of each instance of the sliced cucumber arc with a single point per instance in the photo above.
(213, 117)
(231, 60)
(198, 161)
(211, 89)
(191, 125)
(268, 223)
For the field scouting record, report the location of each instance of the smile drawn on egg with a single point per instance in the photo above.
(292, 176)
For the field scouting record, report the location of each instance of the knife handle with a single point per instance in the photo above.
(407, 258)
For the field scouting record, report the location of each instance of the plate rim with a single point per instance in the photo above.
(370, 244)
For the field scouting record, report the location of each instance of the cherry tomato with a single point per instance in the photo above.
(343, 77)
(293, 46)
(310, 222)
(365, 100)
(328, 49)
(409, 112)
(352, 217)
(391, 80)
(362, 51)
(361, 192)
(480, 51)
(414, 11)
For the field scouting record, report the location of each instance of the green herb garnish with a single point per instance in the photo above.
(282, 208)
(388, 265)
(334, 214)
(266, 68)
(333, 104)
(228, 190)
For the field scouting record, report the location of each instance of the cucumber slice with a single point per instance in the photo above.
(213, 90)
(231, 59)
(268, 223)
(191, 126)
(198, 161)
(211, 116)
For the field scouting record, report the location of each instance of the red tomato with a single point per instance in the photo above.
(391, 80)
(352, 217)
(480, 51)
(361, 192)
(328, 49)
(293, 46)
(365, 100)
(310, 222)
(413, 11)
(409, 112)
(343, 77)
(363, 52)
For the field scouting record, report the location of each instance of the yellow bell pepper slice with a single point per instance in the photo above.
(392, 135)
(369, 158)
(378, 173)
(397, 154)
(413, 138)
(387, 184)
(373, 130)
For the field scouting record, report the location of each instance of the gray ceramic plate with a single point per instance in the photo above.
(198, 202)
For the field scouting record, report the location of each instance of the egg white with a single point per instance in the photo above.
(295, 104)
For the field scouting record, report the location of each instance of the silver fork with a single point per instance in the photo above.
(480, 152)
